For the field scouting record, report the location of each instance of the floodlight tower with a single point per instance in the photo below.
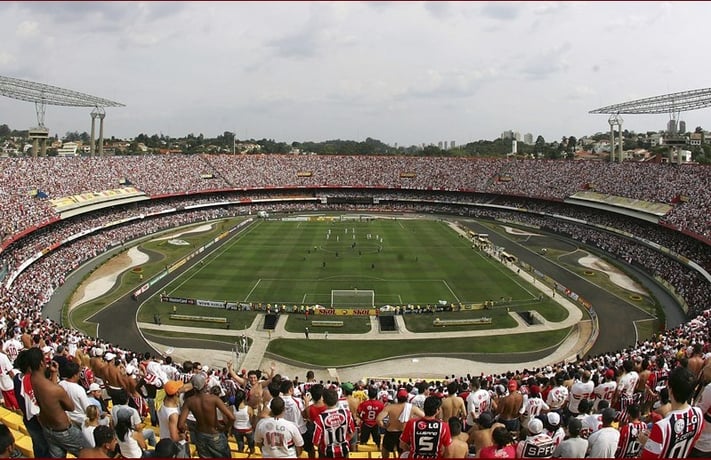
(673, 104)
(43, 95)
(615, 120)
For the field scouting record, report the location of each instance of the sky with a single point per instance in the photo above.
(401, 72)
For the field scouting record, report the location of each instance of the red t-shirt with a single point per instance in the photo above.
(495, 452)
(427, 437)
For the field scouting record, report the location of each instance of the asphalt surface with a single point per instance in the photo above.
(117, 321)
(616, 317)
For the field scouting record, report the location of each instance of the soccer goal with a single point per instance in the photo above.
(352, 298)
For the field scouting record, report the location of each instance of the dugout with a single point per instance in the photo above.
(270, 321)
(387, 323)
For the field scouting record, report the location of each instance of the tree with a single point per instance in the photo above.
(539, 145)
(572, 144)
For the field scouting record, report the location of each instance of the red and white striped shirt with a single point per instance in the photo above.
(675, 435)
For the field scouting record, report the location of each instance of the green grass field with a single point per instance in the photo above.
(402, 261)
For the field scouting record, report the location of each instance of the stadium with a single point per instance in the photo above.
(66, 217)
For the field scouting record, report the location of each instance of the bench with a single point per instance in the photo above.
(461, 322)
(327, 323)
(206, 319)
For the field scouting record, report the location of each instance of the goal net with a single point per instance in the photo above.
(352, 298)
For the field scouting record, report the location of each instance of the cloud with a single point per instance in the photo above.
(448, 84)
(28, 29)
(547, 63)
(439, 9)
(6, 58)
(503, 11)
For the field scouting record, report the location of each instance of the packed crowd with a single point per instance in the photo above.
(688, 187)
(24, 327)
(648, 401)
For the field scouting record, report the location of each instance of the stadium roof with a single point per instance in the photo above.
(25, 90)
(668, 103)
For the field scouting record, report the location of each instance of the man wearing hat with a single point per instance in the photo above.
(606, 389)
(603, 442)
(169, 413)
(398, 413)
(481, 435)
(553, 427)
(210, 438)
(537, 444)
(533, 406)
(510, 406)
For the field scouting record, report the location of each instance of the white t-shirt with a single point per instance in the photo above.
(477, 402)
(77, 394)
(603, 442)
(578, 392)
(279, 437)
(704, 441)
(293, 412)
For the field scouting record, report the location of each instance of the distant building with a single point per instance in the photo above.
(528, 139)
(68, 149)
(452, 144)
(682, 127)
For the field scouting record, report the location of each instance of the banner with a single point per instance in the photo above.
(345, 311)
(209, 303)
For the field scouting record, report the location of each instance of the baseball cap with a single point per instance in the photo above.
(610, 373)
(535, 426)
(109, 356)
(198, 382)
(172, 387)
(535, 389)
(486, 419)
(348, 387)
(93, 387)
(554, 418)
(402, 393)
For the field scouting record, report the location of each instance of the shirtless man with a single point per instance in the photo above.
(115, 377)
(696, 361)
(61, 434)
(453, 405)
(481, 434)
(509, 407)
(211, 441)
(396, 414)
(459, 448)
(256, 389)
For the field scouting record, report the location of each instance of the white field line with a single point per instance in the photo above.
(450, 290)
(218, 251)
(253, 288)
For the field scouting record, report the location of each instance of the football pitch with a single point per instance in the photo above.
(403, 261)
